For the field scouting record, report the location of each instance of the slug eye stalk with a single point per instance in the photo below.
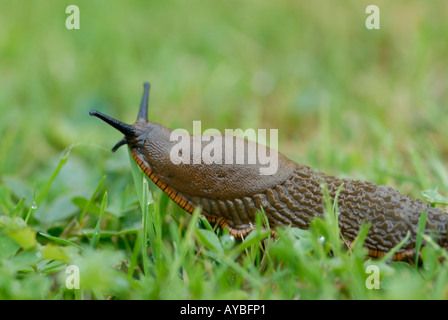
(143, 112)
(128, 130)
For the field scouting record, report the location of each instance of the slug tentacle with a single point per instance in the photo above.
(119, 144)
(128, 130)
(143, 112)
(231, 195)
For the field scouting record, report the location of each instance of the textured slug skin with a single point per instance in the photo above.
(232, 194)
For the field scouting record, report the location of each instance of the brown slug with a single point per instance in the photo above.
(231, 194)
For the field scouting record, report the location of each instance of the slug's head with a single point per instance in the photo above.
(131, 132)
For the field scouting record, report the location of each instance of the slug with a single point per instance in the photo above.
(231, 194)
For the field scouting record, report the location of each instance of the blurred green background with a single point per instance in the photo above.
(346, 100)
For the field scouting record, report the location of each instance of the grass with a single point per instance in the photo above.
(347, 101)
(172, 256)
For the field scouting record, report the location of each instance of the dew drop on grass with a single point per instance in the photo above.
(34, 205)
(321, 239)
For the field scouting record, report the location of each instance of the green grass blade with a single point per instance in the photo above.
(61, 241)
(137, 177)
(358, 243)
(331, 217)
(134, 256)
(42, 194)
(32, 207)
(86, 207)
(97, 233)
(441, 251)
(142, 188)
(420, 232)
(391, 253)
(434, 197)
(186, 244)
(16, 212)
(145, 214)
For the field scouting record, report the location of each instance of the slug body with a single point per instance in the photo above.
(231, 195)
